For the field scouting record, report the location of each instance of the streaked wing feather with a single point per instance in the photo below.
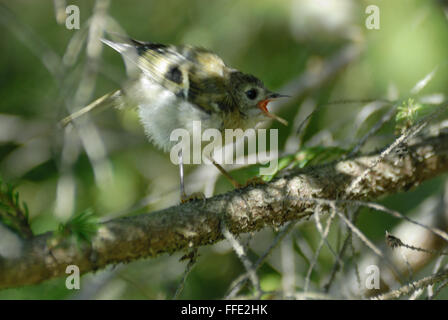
(192, 73)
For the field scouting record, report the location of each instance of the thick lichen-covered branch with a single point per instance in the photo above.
(198, 223)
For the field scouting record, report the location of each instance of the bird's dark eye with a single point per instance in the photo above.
(251, 94)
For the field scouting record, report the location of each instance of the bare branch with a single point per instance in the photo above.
(243, 210)
(414, 286)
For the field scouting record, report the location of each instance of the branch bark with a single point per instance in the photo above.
(243, 210)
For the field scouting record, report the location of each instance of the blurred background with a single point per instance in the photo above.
(318, 51)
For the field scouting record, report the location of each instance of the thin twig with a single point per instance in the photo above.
(337, 264)
(376, 206)
(409, 288)
(411, 132)
(439, 289)
(386, 118)
(395, 242)
(316, 254)
(240, 281)
(191, 262)
(240, 252)
(436, 269)
(367, 242)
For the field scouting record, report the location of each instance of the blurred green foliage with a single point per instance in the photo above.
(275, 40)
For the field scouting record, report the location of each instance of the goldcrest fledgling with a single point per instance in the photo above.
(172, 86)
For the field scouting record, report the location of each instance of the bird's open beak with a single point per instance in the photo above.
(263, 105)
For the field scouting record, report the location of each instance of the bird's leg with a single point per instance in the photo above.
(235, 183)
(183, 196)
(251, 182)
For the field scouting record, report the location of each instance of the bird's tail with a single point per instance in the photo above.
(111, 99)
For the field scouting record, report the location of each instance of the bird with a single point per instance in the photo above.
(174, 85)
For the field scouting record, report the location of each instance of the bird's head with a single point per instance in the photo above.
(252, 96)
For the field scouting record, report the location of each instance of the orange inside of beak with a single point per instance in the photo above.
(263, 105)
